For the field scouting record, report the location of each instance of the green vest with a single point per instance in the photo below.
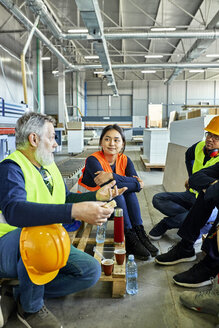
(199, 158)
(35, 187)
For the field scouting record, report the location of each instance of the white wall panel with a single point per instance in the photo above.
(140, 89)
(199, 91)
(94, 88)
(126, 105)
(124, 87)
(217, 92)
(157, 92)
(139, 107)
(177, 92)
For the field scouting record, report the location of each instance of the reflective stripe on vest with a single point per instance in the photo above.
(121, 164)
(35, 187)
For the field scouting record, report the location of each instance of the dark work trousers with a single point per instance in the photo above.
(195, 220)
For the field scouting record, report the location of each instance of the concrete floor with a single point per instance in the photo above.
(157, 303)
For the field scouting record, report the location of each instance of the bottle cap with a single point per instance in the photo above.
(118, 212)
(131, 257)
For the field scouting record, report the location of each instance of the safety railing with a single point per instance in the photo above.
(11, 109)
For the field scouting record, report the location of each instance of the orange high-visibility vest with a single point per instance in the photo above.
(121, 163)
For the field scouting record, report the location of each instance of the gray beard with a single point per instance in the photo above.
(42, 156)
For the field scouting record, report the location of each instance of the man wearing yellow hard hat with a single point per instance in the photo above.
(176, 205)
(206, 183)
(33, 196)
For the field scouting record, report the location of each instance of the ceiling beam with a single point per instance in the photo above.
(198, 48)
(90, 13)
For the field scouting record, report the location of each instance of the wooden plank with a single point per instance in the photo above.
(119, 288)
(149, 166)
(118, 277)
(85, 236)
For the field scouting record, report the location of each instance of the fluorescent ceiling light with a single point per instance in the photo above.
(55, 72)
(196, 70)
(5, 59)
(100, 72)
(91, 57)
(153, 56)
(148, 71)
(158, 29)
(46, 58)
(212, 55)
(78, 30)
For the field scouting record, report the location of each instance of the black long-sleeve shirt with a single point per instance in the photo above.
(204, 178)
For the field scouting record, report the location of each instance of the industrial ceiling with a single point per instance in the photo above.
(133, 39)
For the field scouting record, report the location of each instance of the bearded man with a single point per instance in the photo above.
(33, 194)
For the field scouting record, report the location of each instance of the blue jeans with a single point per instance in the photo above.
(131, 209)
(175, 205)
(81, 271)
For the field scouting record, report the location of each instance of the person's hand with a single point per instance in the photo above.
(109, 191)
(187, 184)
(140, 181)
(102, 177)
(91, 212)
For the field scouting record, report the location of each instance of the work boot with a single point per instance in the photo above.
(206, 301)
(134, 246)
(41, 319)
(7, 303)
(144, 239)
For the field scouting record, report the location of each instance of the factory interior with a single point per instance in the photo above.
(152, 67)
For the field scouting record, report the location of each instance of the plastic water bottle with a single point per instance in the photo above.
(131, 276)
(101, 233)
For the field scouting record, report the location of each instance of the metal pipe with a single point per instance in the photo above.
(38, 7)
(30, 36)
(24, 80)
(206, 34)
(28, 24)
(23, 65)
(180, 65)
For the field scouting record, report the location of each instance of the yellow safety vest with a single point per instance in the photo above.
(35, 187)
(199, 158)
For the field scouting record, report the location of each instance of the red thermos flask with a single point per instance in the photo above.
(118, 225)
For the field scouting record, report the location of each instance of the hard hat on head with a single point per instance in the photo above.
(213, 125)
(44, 250)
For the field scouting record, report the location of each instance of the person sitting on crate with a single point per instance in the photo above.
(206, 182)
(33, 194)
(110, 163)
(176, 205)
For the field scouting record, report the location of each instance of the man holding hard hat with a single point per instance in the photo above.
(33, 196)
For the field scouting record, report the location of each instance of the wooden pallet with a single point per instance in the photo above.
(118, 277)
(149, 166)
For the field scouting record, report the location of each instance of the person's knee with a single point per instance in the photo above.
(156, 200)
(94, 271)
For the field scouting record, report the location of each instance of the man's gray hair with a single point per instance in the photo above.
(30, 123)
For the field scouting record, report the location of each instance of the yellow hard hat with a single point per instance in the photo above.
(44, 250)
(213, 125)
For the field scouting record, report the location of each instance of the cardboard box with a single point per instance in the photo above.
(60, 125)
(213, 111)
(193, 113)
(74, 125)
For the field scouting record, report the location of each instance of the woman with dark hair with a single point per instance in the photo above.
(111, 164)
